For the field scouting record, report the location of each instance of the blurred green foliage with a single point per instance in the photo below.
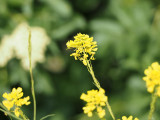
(127, 32)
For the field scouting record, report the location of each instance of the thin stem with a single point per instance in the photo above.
(1, 105)
(30, 68)
(152, 106)
(47, 116)
(110, 110)
(8, 113)
(22, 115)
(97, 84)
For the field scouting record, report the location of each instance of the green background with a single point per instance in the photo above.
(128, 37)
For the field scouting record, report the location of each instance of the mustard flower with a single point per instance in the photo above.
(15, 100)
(95, 100)
(84, 47)
(129, 118)
(152, 78)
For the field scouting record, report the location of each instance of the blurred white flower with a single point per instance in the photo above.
(16, 45)
(6, 50)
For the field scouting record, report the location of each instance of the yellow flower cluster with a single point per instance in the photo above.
(129, 118)
(95, 100)
(84, 46)
(14, 99)
(152, 78)
(16, 45)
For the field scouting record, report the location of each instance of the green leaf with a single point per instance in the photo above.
(50, 115)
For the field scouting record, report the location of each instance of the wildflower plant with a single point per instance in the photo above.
(95, 100)
(14, 101)
(85, 49)
(152, 80)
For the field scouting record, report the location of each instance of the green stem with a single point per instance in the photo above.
(47, 116)
(22, 115)
(30, 68)
(97, 84)
(110, 110)
(90, 69)
(152, 106)
(10, 114)
(1, 105)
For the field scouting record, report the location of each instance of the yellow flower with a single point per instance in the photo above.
(95, 100)
(16, 111)
(8, 104)
(14, 99)
(129, 118)
(158, 91)
(84, 46)
(152, 78)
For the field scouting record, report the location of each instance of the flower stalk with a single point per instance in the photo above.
(97, 84)
(152, 106)
(85, 49)
(31, 74)
(10, 114)
(90, 69)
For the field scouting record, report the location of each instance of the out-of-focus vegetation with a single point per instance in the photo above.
(128, 36)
